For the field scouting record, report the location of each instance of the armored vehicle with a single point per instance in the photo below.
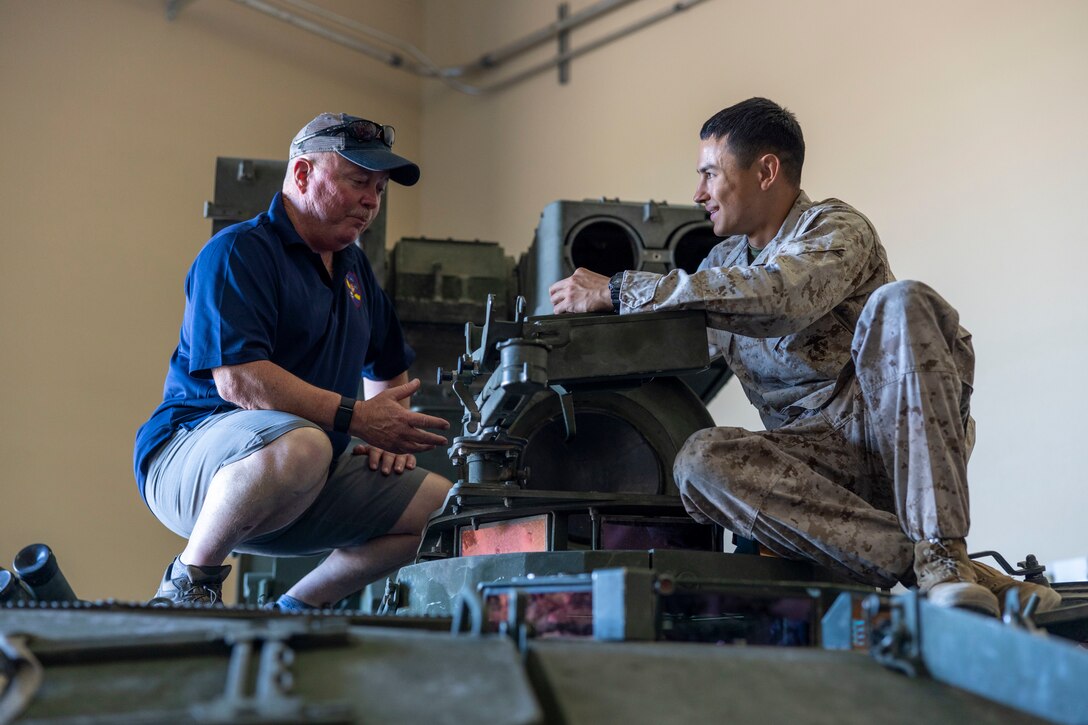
(561, 581)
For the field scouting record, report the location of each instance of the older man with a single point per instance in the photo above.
(863, 383)
(249, 450)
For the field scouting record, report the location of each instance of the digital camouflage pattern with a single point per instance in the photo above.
(862, 382)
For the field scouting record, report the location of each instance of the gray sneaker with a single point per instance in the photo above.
(187, 584)
(948, 579)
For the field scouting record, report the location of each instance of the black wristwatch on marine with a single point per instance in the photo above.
(342, 421)
(614, 285)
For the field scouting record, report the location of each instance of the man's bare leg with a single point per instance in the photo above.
(263, 492)
(346, 571)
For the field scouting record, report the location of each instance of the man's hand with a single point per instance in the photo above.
(384, 422)
(583, 291)
(388, 462)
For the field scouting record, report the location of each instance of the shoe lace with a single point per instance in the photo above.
(197, 592)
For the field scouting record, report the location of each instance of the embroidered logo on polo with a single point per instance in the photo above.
(355, 290)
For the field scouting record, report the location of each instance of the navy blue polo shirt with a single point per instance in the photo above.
(257, 292)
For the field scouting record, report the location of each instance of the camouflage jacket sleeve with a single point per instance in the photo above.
(816, 261)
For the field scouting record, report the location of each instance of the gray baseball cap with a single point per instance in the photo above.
(358, 140)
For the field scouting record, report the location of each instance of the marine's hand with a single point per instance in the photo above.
(386, 461)
(388, 425)
(583, 291)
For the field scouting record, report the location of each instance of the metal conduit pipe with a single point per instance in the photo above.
(673, 9)
(424, 66)
(487, 61)
(291, 19)
(495, 58)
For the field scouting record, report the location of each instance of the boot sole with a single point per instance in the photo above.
(965, 595)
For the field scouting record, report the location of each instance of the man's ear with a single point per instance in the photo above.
(301, 171)
(770, 167)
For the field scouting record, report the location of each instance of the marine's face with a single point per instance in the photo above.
(342, 200)
(727, 190)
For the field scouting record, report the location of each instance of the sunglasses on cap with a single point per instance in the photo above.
(360, 130)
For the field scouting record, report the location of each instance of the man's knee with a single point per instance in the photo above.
(902, 298)
(907, 326)
(298, 460)
(428, 498)
(704, 459)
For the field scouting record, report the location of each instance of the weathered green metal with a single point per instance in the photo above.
(201, 665)
(609, 236)
(447, 281)
(580, 683)
(1001, 661)
(436, 286)
(113, 667)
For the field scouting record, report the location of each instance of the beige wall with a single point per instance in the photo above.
(957, 127)
(112, 118)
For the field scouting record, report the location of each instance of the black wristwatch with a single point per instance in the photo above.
(614, 285)
(342, 421)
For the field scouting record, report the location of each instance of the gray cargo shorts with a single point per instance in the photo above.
(356, 504)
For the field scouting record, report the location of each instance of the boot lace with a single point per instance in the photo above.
(941, 562)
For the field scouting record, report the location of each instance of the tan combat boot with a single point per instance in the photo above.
(948, 579)
(1000, 583)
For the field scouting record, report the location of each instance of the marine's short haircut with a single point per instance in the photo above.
(758, 126)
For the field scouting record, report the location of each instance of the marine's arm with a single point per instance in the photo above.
(382, 420)
(583, 291)
(809, 276)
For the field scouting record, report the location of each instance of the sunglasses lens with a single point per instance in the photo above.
(366, 131)
(363, 131)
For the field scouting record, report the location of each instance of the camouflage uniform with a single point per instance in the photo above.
(862, 382)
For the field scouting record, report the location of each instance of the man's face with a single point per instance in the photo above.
(342, 199)
(727, 190)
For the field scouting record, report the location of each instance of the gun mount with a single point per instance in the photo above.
(573, 430)
(525, 358)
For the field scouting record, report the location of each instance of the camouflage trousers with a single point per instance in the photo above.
(853, 485)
